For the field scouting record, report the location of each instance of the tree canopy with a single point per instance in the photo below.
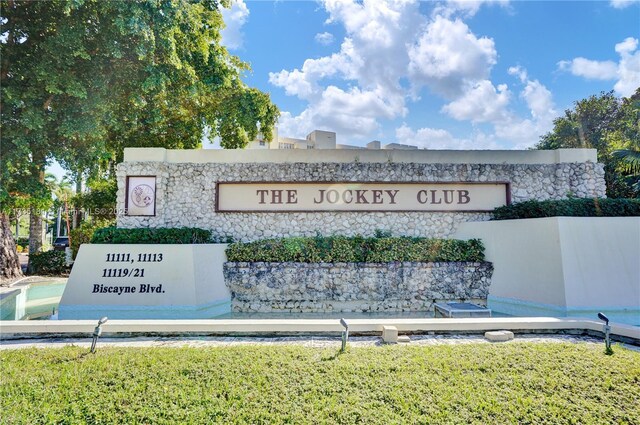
(612, 126)
(82, 79)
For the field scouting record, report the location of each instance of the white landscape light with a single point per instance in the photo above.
(607, 330)
(345, 334)
(97, 332)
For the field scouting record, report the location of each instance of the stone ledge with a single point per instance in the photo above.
(53, 328)
(360, 156)
(498, 336)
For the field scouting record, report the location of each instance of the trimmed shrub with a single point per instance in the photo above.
(84, 234)
(596, 207)
(342, 249)
(183, 235)
(48, 262)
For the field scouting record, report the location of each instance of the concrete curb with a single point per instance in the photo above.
(55, 328)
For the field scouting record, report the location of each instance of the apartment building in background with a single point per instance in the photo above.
(317, 139)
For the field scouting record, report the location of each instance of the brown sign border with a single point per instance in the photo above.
(126, 199)
(218, 210)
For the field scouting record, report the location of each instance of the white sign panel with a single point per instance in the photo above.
(141, 195)
(146, 281)
(371, 197)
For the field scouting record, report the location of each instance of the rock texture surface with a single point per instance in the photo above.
(186, 193)
(353, 287)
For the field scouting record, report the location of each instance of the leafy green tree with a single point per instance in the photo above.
(100, 201)
(626, 141)
(83, 79)
(608, 124)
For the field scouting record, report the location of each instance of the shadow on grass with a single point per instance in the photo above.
(334, 356)
(70, 359)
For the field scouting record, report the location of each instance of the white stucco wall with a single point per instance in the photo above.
(601, 260)
(572, 266)
(528, 258)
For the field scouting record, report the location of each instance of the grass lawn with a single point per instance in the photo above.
(472, 383)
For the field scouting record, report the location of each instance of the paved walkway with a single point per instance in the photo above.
(306, 341)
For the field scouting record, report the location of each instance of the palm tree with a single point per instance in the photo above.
(629, 161)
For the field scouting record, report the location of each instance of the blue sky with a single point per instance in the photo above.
(440, 75)
(436, 74)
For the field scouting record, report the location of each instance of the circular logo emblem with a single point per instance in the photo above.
(142, 195)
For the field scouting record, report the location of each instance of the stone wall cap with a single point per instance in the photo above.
(232, 156)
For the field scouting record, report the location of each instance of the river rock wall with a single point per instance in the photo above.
(354, 287)
(186, 195)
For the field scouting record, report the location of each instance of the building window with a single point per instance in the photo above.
(262, 143)
(285, 146)
(310, 147)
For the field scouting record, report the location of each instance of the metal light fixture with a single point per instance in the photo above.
(607, 330)
(97, 332)
(345, 334)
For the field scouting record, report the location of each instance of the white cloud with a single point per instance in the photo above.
(377, 34)
(437, 138)
(296, 126)
(519, 72)
(621, 4)
(324, 38)
(357, 102)
(371, 62)
(480, 103)
(485, 103)
(466, 7)
(626, 71)
(448, 56)
(628, 46)
(523, 132)
(295, 83)
(234, 18)
(593, 70)
(304, 83)
(540, 101)
(520, 133)
(389, 52)
(628, 68)
(352, 112)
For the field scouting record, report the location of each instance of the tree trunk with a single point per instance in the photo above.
(9, 260)
(77, 216)
(35, 215)
(35, 230)
(17, 234)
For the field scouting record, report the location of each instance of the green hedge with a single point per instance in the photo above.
(570, 208)
(48, 262)
(341, 249)
(84, 234)
(184, 235)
